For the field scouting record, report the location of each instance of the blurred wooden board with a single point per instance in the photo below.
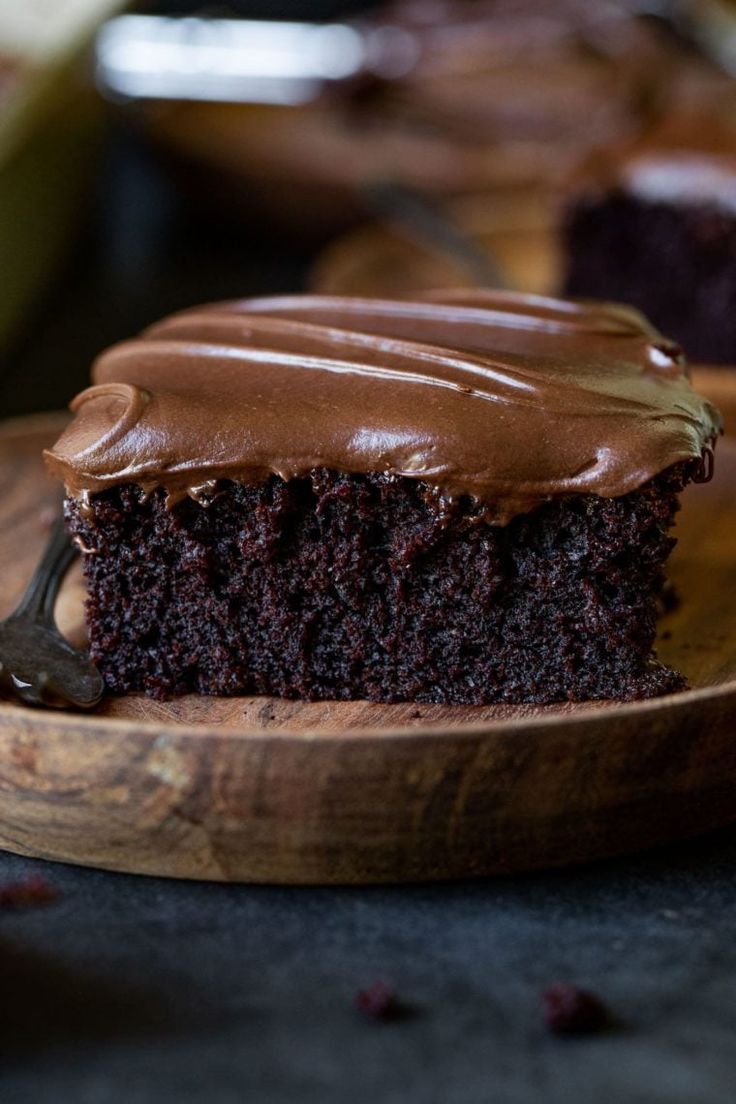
(258, 789)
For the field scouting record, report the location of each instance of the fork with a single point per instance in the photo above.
(37, 665)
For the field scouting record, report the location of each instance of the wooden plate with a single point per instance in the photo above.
(520, 231)
(254, 789)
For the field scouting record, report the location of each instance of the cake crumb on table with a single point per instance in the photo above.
(30, 892)
(570, 1010)
(379, 1001)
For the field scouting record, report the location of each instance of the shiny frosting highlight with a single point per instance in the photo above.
(507, 398)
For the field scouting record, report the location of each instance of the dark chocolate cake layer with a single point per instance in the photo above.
(337, 586)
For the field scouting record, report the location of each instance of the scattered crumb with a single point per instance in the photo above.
(570, 1010)
(30, 892)
(378, 1002)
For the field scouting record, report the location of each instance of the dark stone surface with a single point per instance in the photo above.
(136, 991)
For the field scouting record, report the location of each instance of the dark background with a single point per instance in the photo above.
(143, 249)
(137, 991)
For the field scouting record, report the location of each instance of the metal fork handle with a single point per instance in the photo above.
(37, 604)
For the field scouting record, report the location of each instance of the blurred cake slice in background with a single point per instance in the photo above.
(654, 223)
(650, 219)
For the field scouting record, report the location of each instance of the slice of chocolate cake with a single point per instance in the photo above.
(657, 228)
(461, 498)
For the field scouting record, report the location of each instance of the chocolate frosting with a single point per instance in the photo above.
(510, 399)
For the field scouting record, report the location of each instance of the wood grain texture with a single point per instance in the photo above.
(266, 790)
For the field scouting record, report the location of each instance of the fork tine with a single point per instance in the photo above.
(29, 695)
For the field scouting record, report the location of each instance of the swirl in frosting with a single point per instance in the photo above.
(507, 398)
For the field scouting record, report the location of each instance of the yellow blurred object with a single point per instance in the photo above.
(50, 121)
